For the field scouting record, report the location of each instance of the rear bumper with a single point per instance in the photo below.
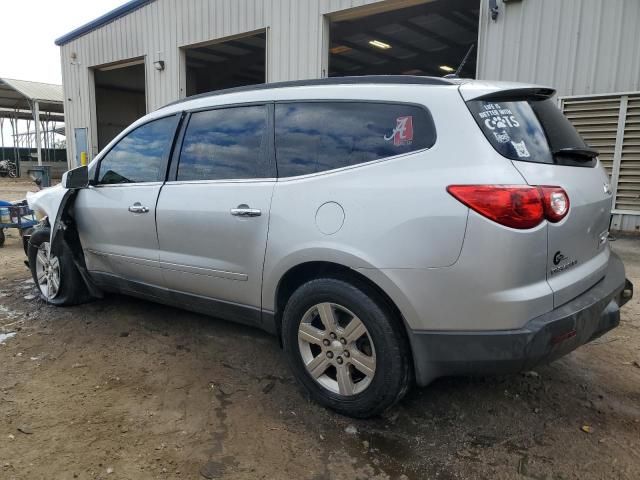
(541, 340)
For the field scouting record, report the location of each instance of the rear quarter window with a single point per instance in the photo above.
(313, 137)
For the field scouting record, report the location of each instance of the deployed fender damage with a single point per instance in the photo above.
(55, 204)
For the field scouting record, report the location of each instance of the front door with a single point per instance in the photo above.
(116, 216)
(213, 218)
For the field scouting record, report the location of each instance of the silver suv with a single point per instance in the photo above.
(386, 229)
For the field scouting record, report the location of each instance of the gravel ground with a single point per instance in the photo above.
(125, 389)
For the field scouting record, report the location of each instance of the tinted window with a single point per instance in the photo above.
(138, 157)
(314, 137)
(528, 130)
(224, 144)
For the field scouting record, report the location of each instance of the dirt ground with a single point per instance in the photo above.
(12, 189)
(125, 389)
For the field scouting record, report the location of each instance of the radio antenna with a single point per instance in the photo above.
(464, 60)
(462, 64)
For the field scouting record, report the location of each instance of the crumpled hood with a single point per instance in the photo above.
(47, 202)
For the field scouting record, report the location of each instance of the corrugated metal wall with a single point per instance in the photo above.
(295, 45)
(577, 46)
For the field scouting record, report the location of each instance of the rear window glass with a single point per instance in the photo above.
(529, 130)
(318, 136)
(223, 144)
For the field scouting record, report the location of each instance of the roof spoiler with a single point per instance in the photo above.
(519, 94)
(504, 91)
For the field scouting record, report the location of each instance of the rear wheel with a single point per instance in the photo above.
(56, 276)
(346, 347)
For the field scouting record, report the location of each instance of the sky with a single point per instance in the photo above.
(29, 29)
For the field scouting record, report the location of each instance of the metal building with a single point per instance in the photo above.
(147, 53)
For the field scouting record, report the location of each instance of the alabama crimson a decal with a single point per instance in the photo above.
(403, 132)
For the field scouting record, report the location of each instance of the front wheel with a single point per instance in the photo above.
(346, 347)
(56, 277)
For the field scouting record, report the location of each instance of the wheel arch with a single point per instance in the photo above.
(310, 270)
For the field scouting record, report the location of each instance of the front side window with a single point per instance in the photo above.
(314, 137)
(225, 144)
(139, 157)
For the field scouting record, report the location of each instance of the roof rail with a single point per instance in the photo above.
(371, 79)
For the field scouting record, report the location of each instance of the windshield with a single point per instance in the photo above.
(531, 130)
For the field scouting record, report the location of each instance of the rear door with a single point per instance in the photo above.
(116, 216)
(533, 133)
(213, 216)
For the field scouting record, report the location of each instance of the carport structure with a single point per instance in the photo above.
(41, 103)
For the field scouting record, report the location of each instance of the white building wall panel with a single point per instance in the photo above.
(577, 46)
(157, 31)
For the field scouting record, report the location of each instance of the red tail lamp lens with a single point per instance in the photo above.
(515, 206)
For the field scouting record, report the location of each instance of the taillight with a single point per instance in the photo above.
(514, 206)
(556, 203)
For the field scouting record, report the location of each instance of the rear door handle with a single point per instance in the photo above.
(244, 211)
(138, 208)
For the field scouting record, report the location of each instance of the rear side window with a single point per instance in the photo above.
(139, 156)
(530, 130)
(318, 136)
(224, 144)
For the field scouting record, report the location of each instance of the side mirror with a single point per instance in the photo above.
(76, 178)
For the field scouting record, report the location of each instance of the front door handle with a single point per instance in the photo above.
(244, 211)
(138, 208)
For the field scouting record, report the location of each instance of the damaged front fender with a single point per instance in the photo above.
(49, 203)
(56, 203)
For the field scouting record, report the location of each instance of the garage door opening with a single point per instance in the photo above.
(120, 98)
(232, 63)
(427, 39)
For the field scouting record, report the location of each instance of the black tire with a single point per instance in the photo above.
(393, 363)
(72, 289)
(25, 244)
(2, 237)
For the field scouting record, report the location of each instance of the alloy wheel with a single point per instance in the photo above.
(337, 349)
(47, 271)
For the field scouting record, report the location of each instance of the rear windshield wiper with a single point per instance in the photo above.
(581, 152)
